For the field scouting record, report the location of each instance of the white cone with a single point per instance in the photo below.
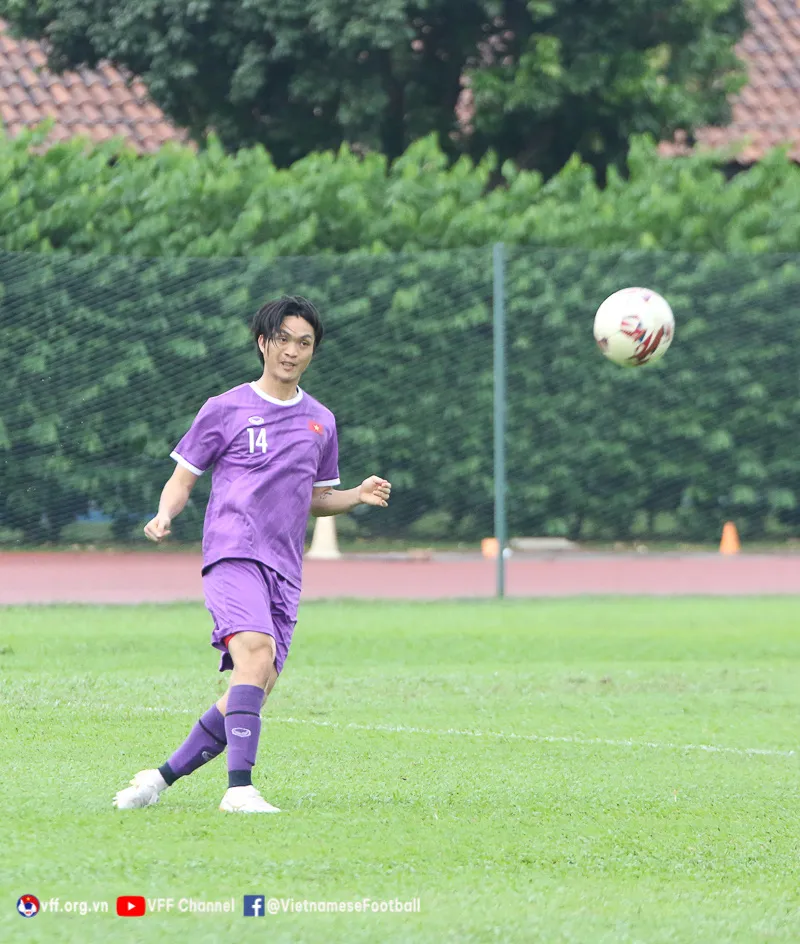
(324, 545)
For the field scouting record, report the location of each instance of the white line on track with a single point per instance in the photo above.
(501, 736)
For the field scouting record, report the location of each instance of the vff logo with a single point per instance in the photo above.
(254, 906)
(28, 906)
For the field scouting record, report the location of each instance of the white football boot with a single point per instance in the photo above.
(145, 790)
(245, 800)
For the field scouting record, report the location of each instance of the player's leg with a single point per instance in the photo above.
(206, 741)
(222, 702)
(245, 636)
(253, 656)
(209, 737)
(257, 661)
(236, 597)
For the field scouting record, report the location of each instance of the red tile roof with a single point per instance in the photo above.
(767, 110)
(99, 104)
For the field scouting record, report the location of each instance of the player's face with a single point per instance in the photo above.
(288, 354)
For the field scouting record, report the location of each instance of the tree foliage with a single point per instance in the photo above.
(549, 78)
(576, 77)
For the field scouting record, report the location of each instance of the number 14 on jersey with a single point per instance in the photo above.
(257, 441)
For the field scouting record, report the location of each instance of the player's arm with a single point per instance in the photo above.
(327, 501)
(173, 500)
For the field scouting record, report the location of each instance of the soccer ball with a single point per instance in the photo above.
(634, 326)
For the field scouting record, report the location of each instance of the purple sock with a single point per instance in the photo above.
(242, 730)
(206, 740)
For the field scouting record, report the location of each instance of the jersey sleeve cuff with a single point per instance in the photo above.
(327, 483)
(187, 465)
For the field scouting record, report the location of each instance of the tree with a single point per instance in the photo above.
(546, 78)
(583, 76)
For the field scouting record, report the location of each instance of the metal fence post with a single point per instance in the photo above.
(500, 524)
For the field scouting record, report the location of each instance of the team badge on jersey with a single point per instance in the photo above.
(316, 427)
(256, 420)
(28, 906)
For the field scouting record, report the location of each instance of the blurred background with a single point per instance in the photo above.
(164, 171)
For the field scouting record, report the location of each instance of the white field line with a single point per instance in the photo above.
(499, 735)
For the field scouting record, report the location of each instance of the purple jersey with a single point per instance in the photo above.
(267, 455)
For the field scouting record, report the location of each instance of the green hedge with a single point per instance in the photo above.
(126, 283)
(104, 360)
(178, 203)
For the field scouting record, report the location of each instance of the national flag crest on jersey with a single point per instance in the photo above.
(316, 427)
(28, 906)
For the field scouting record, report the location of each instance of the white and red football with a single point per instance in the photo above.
(634, 326)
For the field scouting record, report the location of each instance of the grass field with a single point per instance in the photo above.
(529, 771)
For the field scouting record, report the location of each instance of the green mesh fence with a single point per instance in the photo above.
(104, 362)
(669, 451)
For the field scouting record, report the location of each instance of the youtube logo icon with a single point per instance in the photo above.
(131, 906)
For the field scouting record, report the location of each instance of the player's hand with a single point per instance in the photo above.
(375, 491)
(158, 528)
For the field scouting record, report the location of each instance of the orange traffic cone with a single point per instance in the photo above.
(730, 539)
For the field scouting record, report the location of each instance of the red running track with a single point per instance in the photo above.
(100, 577)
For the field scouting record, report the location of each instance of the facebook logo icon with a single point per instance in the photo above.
(254, 906)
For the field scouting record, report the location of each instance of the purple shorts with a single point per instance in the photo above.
(246, 596)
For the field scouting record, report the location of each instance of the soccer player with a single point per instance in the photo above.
(275, 457)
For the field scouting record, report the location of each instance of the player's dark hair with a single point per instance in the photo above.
(268, 319)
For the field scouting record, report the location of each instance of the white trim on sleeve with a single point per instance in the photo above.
(325, 484)
(187, 465)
